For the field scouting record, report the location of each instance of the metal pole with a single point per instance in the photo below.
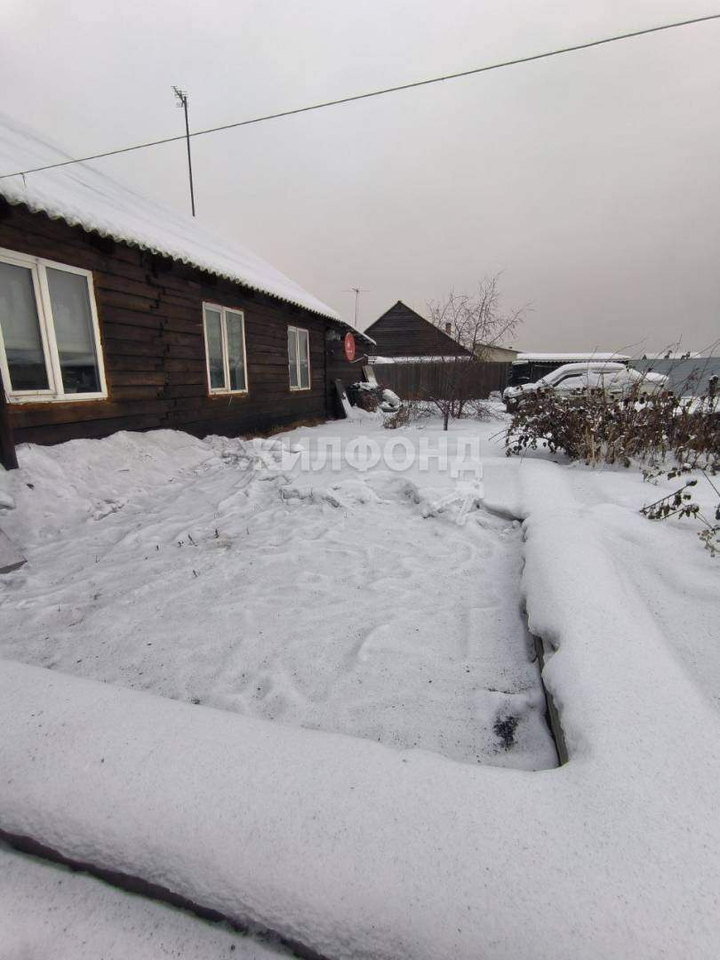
(357, 291)
(187, 134)
(183, 102)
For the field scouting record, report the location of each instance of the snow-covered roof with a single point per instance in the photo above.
(438, 359)
(83, 196)
(569, 357)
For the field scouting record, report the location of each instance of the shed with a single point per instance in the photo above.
(117, 313)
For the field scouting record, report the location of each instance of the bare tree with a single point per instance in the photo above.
(477, 323)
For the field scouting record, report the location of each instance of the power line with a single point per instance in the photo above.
(374, 93)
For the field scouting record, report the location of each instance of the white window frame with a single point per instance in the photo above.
(297, 360)
(55, 391)
(223, 311)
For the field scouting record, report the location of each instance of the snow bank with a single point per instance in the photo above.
(60, 486)
(48, 911)
(81, 195)
(361, 851)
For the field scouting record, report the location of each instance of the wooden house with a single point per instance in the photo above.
(415, 358)
(401, 332)
(119, 314)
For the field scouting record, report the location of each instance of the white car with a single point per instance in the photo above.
(575, 379)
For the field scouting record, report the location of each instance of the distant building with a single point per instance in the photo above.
(499, 354)
(412, 357)
(401, 333)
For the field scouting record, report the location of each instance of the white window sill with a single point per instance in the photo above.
(67, 398)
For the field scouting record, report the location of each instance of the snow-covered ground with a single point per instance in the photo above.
(323, 598)
(360, 849)
(662, 562)
(48, 912)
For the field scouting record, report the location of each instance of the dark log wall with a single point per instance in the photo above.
(150, 314)
(8, 457)
(400, 332)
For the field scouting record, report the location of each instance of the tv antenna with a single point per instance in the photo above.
(357, 291)
(182, 101)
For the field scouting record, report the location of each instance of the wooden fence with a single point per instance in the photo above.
(418, 381)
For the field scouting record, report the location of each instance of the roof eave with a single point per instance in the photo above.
(74, 221)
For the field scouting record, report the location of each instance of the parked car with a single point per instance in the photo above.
(531, 367)
(576, 379)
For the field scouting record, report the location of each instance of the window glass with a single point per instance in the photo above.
(21, 329)
(304, 358)
(236, 355)
(292, 356)
(569, 376)
(213, 333)
(72, 319)
(572, 383)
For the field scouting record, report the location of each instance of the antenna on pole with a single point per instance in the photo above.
(183, 102)
(357, 291)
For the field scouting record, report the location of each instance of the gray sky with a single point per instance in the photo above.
(592, 179)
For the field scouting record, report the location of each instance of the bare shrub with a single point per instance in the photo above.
(597, 428)
(420, 410)
(400, 418)
(476, 323)
(681, 502)
(478, 410)
(651, 430)
(410, 411)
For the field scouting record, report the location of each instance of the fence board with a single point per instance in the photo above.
(418, 381)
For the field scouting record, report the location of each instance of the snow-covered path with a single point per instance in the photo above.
(329, 600)
(48, 912)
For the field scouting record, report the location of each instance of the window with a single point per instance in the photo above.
(574, 375)
(49, 336)
(225, 349)
(570, 383)
(299, 358)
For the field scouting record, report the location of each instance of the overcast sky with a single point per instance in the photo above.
(591, 180)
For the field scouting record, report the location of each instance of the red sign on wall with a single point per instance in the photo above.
(349, 347)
